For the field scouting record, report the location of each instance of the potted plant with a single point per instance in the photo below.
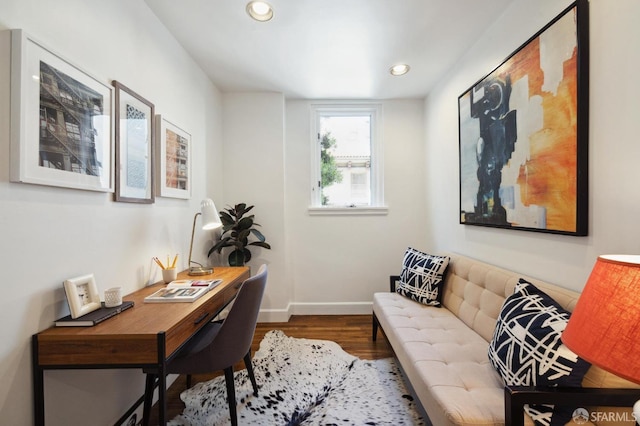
(236, 230)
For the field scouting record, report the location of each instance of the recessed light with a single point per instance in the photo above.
(260, 10)
(399, 69)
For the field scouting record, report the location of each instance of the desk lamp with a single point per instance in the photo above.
(210, 220)
(604, 328)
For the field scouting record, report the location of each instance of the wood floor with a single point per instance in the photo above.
(352, 332)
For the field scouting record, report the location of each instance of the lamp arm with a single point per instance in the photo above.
(517, 396)
(193, 231)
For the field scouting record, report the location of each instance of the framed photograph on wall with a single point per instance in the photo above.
(61, 128)
(82, 295)
(524, 134)
(173, 160)
(135, 132)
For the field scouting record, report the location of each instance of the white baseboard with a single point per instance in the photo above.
(274, 315)
(337, 308)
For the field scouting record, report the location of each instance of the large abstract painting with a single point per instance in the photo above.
(523, 134)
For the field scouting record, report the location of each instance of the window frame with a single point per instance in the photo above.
(332, 109)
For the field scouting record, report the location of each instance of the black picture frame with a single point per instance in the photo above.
(523, 134)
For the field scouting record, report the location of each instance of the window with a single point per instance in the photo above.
(346, 159)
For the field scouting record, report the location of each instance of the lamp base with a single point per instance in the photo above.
(200, 270)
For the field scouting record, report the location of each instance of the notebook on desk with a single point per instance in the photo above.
(95, 317)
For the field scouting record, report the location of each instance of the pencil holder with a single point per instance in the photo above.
(169, 274)
(113, 297)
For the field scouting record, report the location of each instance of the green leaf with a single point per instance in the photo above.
(245, 223)
(243, 235)
(248, 209)
(241, 209)
(258, 234)
(224, 242)
(260, 244)
(226, 218)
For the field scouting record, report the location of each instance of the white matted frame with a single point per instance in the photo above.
(135, 134)
(82, 295)
(61, 127)
(173, 160)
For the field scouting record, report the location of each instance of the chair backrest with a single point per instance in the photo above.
(236, 332)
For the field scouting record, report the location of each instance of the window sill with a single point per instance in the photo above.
(348, 211)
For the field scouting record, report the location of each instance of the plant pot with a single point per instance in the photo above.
(239, 257)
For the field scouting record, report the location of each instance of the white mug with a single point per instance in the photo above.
(113, 297)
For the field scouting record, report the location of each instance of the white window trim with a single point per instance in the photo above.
(334, 108)
(348, 211)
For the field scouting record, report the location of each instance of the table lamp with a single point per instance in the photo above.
(604, 328)
(210, 220)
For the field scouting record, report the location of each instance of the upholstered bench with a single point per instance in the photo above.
(443, 351)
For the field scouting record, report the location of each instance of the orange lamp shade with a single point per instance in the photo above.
(604, 328)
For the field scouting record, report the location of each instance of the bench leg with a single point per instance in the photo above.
(375, 325)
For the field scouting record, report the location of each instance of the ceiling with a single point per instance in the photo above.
(328, 49)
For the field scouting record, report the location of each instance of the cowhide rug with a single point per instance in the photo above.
(305, 382)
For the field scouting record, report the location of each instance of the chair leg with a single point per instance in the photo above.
(249, 365)
(188, 381)
(231, 394)
(148, 398)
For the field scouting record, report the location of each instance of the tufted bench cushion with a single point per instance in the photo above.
(448, 360)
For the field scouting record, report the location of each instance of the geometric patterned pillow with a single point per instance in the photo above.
(422, 277)
(526, 349)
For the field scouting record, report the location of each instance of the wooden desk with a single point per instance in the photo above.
(144, 336)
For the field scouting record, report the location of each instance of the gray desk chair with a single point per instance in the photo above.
(220, 345)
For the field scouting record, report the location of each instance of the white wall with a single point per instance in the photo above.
(50, 234)
(254, 163)
(320, 264)
(338, 262)
(614, 205)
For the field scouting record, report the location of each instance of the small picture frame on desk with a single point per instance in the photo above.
(82, 295)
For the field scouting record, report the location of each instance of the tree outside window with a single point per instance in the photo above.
(329, 171)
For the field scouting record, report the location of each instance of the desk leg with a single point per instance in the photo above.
(162, 399)
(149, 387)
(38, 384)
(162, 379)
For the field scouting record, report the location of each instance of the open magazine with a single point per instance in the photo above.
(182, 291)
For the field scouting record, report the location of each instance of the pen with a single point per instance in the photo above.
(175, 259)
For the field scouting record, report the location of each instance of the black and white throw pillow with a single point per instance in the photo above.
(422, 277)
(526, 349)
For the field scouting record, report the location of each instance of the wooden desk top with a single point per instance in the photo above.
(132, 337)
